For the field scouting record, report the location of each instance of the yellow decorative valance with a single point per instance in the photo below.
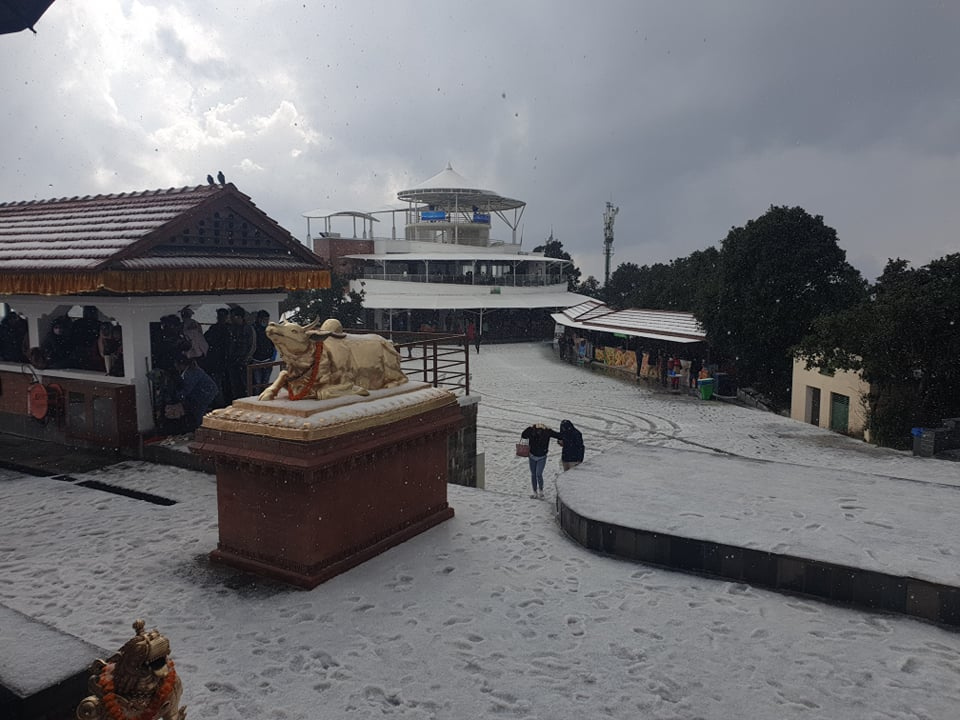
(159, 282)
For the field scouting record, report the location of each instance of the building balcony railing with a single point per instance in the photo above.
(504, 281)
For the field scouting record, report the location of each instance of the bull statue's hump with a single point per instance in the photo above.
(325, 362)
(332, 326)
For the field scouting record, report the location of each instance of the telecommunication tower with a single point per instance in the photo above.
(608, 215)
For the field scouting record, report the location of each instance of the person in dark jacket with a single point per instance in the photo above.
(242, 344)
(215, 362)
(197, 391)
(571, 441)
(57, 348)
(539, 437)
(264, 351)
(13, 338)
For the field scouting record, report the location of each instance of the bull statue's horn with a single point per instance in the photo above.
(312, 325)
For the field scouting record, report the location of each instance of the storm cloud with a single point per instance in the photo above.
(691, 117)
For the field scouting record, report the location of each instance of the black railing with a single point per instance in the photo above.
(441, 359)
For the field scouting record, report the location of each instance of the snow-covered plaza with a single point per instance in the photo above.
(496, 613)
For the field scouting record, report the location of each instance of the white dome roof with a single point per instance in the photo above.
(448, 188)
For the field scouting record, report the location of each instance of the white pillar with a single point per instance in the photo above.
(135, 325)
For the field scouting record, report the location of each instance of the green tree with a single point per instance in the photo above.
(904, 340)
(337, 301)
(776, 275)
(694, 281)
(685, 284)
(553, 248)
(622, 289)
(590, 287)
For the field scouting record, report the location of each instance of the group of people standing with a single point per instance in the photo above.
(85, 343)
(196, 371)
(575, 349)
(538, 436)
(233, 344)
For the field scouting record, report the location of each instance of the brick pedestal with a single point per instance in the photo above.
(309, 489)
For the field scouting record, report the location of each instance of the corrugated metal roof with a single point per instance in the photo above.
(658, 324)
(567, 322)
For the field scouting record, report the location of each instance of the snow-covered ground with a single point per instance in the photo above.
(493, 613)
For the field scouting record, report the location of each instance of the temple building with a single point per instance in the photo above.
(120, 262)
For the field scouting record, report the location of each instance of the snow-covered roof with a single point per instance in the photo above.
(667, 325)
(46, 245)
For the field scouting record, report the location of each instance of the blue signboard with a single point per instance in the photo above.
(433, 215)
(481, 218)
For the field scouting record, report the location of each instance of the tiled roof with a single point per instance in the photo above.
(99, 232)
(83, 232)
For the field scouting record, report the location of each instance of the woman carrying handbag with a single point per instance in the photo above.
(538, 436)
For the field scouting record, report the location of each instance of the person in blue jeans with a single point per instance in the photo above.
(538, 436)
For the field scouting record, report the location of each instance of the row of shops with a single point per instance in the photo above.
(656, 346)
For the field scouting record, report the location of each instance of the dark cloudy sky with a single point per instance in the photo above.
(692, 117)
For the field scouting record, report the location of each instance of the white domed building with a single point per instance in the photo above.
(443, 265)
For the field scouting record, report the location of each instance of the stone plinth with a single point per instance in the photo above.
(309, 489)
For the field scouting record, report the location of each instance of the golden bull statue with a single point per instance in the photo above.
(137, 683)
(325, 362)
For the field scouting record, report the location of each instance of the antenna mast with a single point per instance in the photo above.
(608, 215)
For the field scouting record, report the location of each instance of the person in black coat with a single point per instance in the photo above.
(539, 437)
(215, 362)
(571, 441)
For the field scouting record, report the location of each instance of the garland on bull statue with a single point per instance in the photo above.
(314, 369)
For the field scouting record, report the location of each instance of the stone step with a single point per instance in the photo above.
(43, 670)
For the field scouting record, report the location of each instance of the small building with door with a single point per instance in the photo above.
(126, 260)
(836, 401)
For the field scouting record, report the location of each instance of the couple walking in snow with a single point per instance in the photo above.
(538, 435)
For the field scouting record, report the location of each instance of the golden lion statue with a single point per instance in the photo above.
(137, 683)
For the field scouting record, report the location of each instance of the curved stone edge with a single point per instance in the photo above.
(836, 583)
